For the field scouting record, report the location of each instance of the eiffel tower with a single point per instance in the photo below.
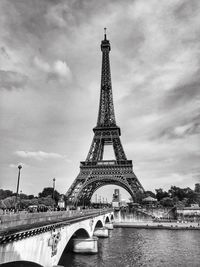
(94, 171)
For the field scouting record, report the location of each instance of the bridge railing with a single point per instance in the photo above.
(24, 218)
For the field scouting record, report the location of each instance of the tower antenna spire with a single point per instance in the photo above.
(105, 33)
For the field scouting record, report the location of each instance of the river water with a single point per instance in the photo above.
(130, 247)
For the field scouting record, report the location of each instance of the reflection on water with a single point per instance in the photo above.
(128, 247)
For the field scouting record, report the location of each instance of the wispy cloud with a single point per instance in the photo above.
(59, 68)
(10, 80)
(57, 15)
(62, 69)
(12, 165)
(181, 131)
(42, 65)
(39, 155)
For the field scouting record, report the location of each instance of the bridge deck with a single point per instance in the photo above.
(10, 233)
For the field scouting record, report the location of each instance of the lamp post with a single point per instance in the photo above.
(54, 180)
(20, 199)
(100, 201)
(19, 168)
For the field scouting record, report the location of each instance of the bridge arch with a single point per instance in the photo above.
(98, 224)
(80, 233)
(107, 220)
(21, 264)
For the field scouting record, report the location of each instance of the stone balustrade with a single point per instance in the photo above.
(25, 218)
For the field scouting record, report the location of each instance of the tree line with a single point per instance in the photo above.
(47, 197)
(175, 196)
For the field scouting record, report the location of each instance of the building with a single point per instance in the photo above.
(61, 202)
(191, 213)
(149, 201)
(116, 199)
(197, 188)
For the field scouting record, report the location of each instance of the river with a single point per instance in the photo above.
(129, 247)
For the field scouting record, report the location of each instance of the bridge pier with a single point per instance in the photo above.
(85, 245)
(109, 226)
(101, 232)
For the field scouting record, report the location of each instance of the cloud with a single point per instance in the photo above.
(39, 155)
(12, 165)
(183, 94)
(190, 128)
(10, 80)
(41, 64)
(3, 52)
(56, 15)
(58, 69)
(62, 69)
(178, 123)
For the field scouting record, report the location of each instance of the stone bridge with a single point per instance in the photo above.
(43, 243)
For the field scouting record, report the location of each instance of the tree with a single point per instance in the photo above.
(175, 191)
(161, 194)
(183, 193)
(167, 202)
(5, 193)
(150, 194)
(25, 203)
(8, 202)
(48, 191)
(47, 201)
(138, 197)
(30, 196)
(23, 196)
(2, 204)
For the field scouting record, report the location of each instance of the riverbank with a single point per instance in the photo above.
(158, 225)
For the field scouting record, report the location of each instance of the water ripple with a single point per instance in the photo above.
(129, 247)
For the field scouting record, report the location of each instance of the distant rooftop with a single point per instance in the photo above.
(149, 199)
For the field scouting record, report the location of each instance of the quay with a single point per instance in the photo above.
(158, 225)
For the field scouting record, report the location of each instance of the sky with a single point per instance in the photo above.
(50, 67)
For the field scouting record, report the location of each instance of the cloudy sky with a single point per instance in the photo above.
(50, 64)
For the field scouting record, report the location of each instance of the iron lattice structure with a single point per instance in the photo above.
(94, 171)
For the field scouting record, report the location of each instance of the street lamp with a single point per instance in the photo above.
(20, 199)
(19, 167)
(54, 180)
